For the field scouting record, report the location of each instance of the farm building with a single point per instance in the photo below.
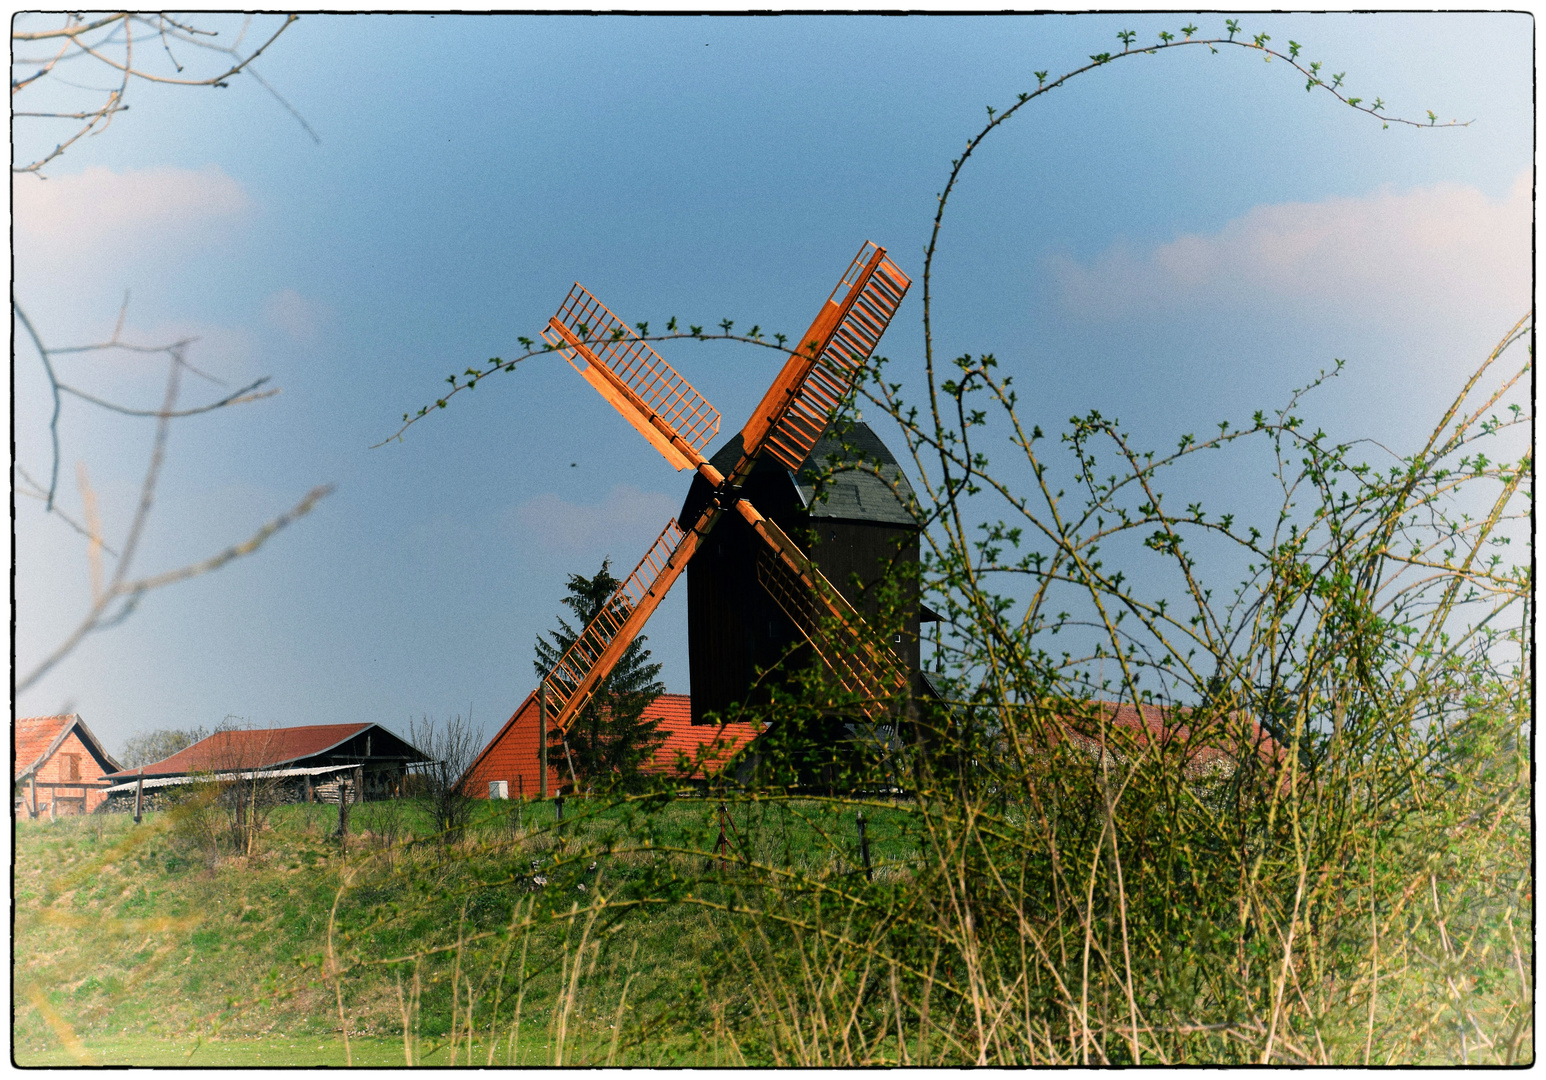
(1166, 730)
(514, 755)
(59, 767)
(321, 762)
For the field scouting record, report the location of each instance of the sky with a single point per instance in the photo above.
(1172, 240)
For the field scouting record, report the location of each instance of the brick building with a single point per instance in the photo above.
(59, 767)
(514, 754)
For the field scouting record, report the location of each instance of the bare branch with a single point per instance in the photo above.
(132, 591)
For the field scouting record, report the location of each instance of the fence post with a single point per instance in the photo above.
(359, 783)
(139, 795)
(343, 807)
(864, 848)
(33, 780)
(558, 807)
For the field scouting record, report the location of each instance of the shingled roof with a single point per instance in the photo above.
(260, 748)
(37, 737)
(854, 493)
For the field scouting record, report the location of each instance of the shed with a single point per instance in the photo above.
(372, 760)
(59, 766)
(688, 752)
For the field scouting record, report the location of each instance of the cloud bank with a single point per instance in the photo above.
(1381, 256)
(87, 213)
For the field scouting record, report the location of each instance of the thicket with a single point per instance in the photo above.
(1348, 883)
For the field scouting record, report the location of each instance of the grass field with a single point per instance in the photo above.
(130, 947)
(625, 941)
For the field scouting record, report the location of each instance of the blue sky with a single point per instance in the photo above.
(1173, 240)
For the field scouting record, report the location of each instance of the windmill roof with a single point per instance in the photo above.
(259, 748)
(866, 483)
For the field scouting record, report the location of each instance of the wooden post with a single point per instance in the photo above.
(359, 783)
(542, 742)
(343, 807)
(310, 795)
(574, 781)
(864, 849)
(33, 780)
(139, 795)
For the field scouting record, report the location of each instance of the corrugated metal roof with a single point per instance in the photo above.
(259, 748)
(1164, 726)
(261, 774)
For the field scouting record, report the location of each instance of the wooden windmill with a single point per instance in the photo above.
(785, 427)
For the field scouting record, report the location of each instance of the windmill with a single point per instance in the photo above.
(785, 426)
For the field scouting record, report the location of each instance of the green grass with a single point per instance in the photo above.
(137, 945)
(130, 948)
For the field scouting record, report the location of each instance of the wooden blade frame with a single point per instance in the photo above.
(797, 407)
(837, 632)
(601, 644)
(646, 390)
(679, 423)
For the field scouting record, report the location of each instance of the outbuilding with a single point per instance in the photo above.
(321, 762)
(60, 767)
(514, 756)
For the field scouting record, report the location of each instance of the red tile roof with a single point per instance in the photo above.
(679, 754)
(35, 736)
(1161, 727)
(261, 748)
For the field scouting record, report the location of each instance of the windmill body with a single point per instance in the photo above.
(855, 534)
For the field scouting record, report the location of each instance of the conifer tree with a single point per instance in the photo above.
(610, 738)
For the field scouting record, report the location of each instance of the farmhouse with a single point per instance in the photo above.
(59, 767)
(321, 762)
(514, 756)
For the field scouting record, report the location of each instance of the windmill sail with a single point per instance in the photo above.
(839, 634)
(796, 409)
(649, 392)
(592, 655)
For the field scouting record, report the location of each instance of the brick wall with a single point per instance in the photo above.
(57, 769)
(512, 757)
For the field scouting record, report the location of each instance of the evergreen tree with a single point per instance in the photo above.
(610, 738)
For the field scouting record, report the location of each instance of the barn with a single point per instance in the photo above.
(514, 755)
(59, 767)
(321, 761)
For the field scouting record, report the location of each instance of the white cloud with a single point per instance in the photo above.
(294, 314)
(624, 520)
(84, 213)
(1388, 254)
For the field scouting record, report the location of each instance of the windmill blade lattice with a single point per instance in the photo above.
(797, 408)
(649, 392)
(838, 633)
(592, 655)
